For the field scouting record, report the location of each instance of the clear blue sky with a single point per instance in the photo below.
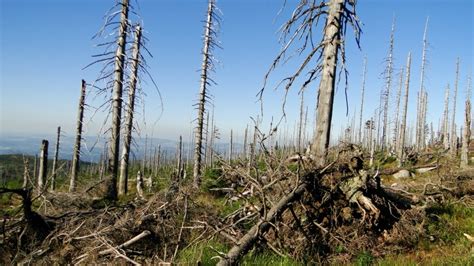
(45, 44)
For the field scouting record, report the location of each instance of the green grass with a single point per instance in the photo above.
(202, 252)
(268, 258)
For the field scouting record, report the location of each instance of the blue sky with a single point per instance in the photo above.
(45, 45)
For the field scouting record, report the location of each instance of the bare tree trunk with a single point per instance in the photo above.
(43, 165)
(396, 135)
(388, 86)
(77, 146)
(325, 99)
(144, 154)
(122, 188)
(403, 123)
(180, 164)
(359, 137)
(421, 115)
(454, 144)
(446, 119)
(114, 145)
(231, 146)
(206, 66)
(245, 141)
(467, 128)
(35, 167)
(55, 161)
(300, 124)
(26, 173)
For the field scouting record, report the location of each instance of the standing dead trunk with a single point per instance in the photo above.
(299, 145)
(446, 119)
(124, 163)
(388, 85)
(396, 135)
(114, 144)
(77, 146)
(245, 141)
(231, 146)
(328, 78)
(359, 137)
(179, 159)
(454, 142)
(26, 173)
(403, 123)
(43, 165)
(55, 161)
(207, 65)
(421, 115)
(467, 129)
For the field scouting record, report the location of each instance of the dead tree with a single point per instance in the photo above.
(77, 145)
(421, 114)
(388, 85)
(55, 161)
(179, 159)
(43, 165)
(466, 140)
(231, 146)
(114, 144)
(325, 52)
(403, 123)
(300, 124)
(446, 119)
(396, 135)
(124, 162)
(359, 137)
(210, 35)
(454, 141)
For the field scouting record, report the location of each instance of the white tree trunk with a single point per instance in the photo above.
(77, 145)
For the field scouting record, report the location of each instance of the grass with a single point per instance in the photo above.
(202, 253)
(268, 258)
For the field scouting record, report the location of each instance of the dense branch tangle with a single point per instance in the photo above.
(298, 34)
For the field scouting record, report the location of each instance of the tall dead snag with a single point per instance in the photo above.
(421, 114)
(43, 165)
(396, 135)
(114, 144)
(299, 142)
(77, 144)
(446, 118)
(454, 142)
(55, 161)
(467, 128)
(210, 35)
(301, 26)
(388, 86)
(359, 137)
(124, 163)
(403, 123)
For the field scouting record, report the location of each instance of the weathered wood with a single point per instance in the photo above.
(43, 165)
(124, 161)
(55, 161)
(114, 144)
(454, 142)
(77, 144)
(401, 142)
(466, 140)
(364, 74)
(326, 90)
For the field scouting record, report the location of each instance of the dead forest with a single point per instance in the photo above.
(390, 188)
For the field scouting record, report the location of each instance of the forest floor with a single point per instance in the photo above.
(425, 218)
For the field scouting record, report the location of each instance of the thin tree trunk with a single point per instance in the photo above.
(77, 145)
(55, 161)
(401, 143)
(245, 141)
(421, 116)
(124, 163)
(453, 147)
(205, 68)
(396, 135)
(328, 78)
(467, 129)
(43, 165)
(114, 145)
(231, 145)
(179, 154)
(359, 137)
(300, 124)
(446, 119)
(388, 86)
(26, 173)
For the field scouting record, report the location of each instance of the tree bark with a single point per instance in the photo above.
(403, 124)
(328, 78)
(388, 86)
(454, 144)
(43, 165)
(55, 161)
(114, 145)
(421, 115)
(359, 138)
(124, 163)
(466, 140)
(77, 145)
(446, 135)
